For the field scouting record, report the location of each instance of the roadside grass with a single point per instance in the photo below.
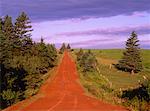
(118, 78)
(96, 86)
(98, 82)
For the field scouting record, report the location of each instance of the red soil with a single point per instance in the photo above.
(64, 93)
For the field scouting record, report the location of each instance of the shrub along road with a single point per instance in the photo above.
(64, 93)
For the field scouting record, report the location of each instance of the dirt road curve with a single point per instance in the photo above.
(64, 93)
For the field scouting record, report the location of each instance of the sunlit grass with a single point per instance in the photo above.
(118, 78)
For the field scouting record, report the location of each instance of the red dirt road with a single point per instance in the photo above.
(64, 93)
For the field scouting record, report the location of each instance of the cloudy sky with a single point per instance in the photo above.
(84, 23)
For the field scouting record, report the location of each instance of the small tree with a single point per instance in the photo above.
(79, 54)
(8, 28)
(52, 52)
(62, 49)
(22, 26)
(68, 47)
(131, 61)
(87, 61)
(23, 31)
(3, 48)
(8, 36)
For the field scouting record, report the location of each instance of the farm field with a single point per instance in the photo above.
(120, 79)
(112, 85)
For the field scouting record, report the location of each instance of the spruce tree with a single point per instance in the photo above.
(1, 24)
(8, 39)
(10, 91)
(21, 74)
(62, 49)
(23, 31)
(22, 26)
(131, 60)
(52, 52)
(3, 51)
(8, 28)
(68, 47)
(42, 49)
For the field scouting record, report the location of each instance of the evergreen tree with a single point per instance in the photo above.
(21, 74)
(87, 60)
(22, 26)
(131, 60)
(8, 28)
(62, 49)
(42, 49)
(10, 89)
(68, 47)
(1, 24)
(3, 56)
(3, 51)
(8, 39)
(52, 52)
(23, 31)
(27, 45)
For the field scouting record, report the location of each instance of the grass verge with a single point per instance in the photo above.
(98, 82)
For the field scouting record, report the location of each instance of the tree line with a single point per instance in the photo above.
(64, 47)
(23, 62)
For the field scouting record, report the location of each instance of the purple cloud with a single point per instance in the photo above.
(92, 41)
(41, 10)
(106, 44)
(117, 18)
(145, 29)
(98, 44)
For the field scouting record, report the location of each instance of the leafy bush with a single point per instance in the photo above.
(87, 61)
(10, 96)
(139, 98)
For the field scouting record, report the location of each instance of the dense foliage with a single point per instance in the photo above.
(22, 61)
(131, 61)
(138, 98)
(86, 60)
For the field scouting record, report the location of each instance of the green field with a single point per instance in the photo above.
(109, 83)
(120, 79)
(116, 54)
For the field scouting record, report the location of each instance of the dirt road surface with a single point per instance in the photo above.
(64, 93)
